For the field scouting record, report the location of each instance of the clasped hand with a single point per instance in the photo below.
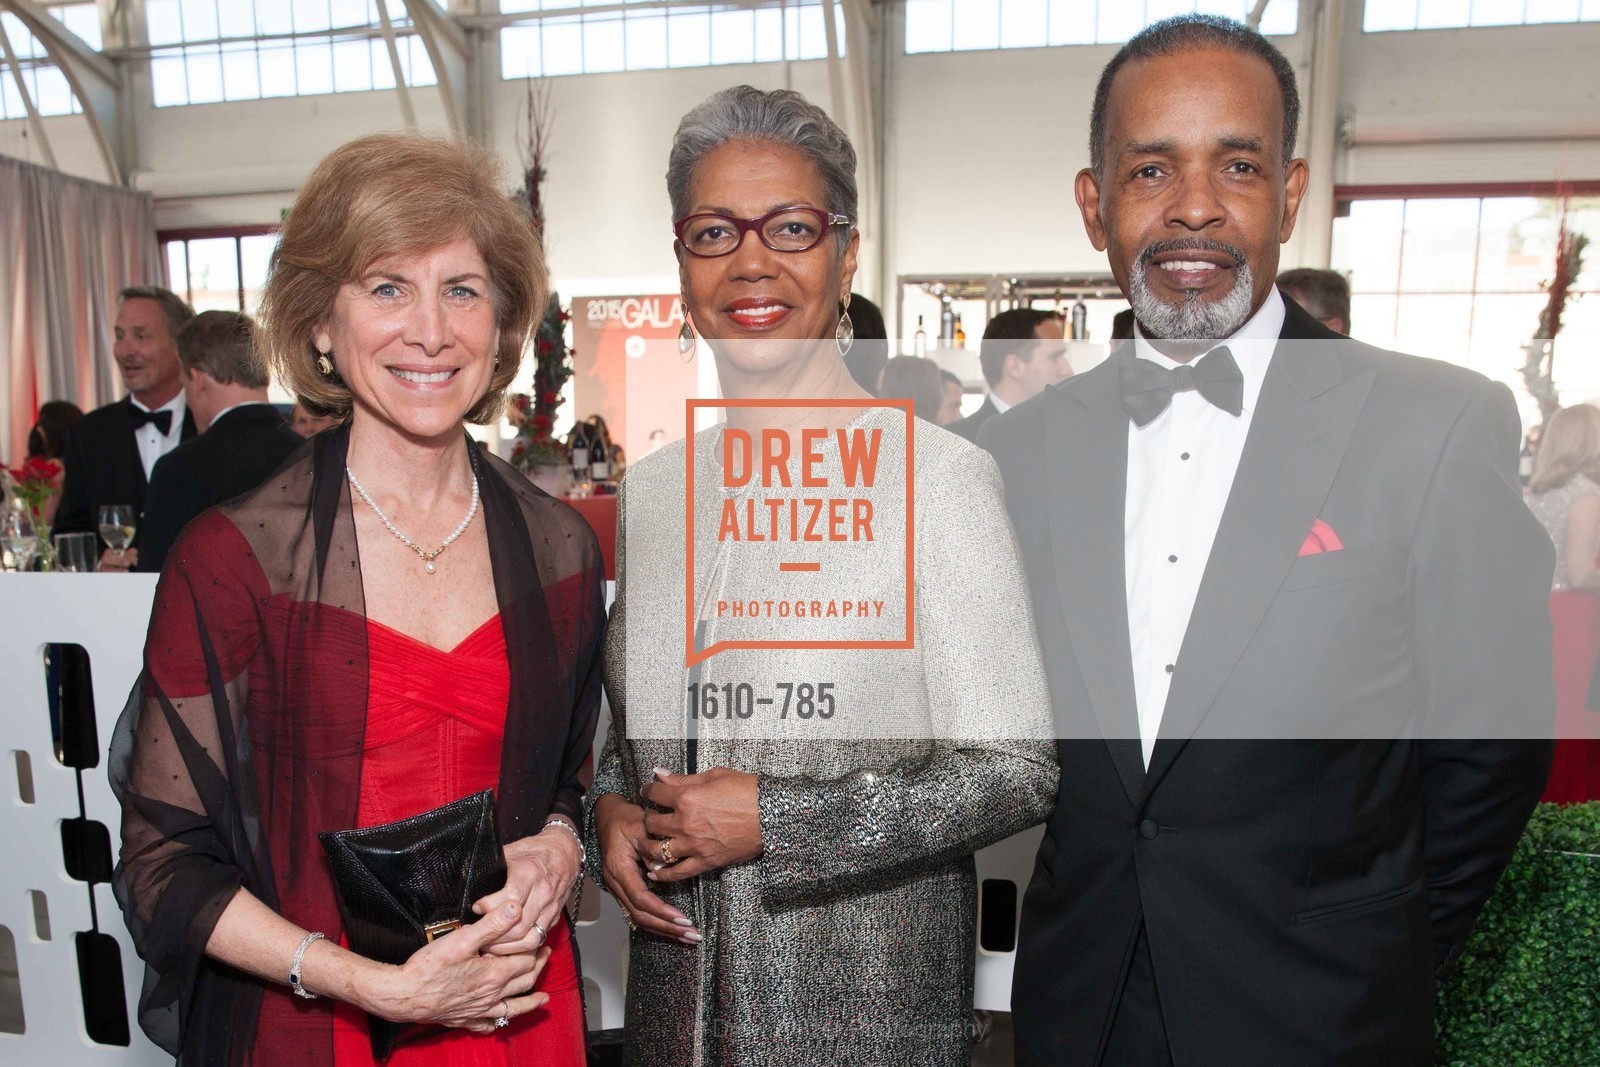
(707, 821)
(541, 873)
(453, 982)
(488, 970)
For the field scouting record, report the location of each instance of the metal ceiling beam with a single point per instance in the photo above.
(94, 79)
(402, 90)
(449, 52)
(36, 127)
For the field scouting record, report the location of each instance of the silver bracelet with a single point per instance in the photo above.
(294, 968)
(583, 853)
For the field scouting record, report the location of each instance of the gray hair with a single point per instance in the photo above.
(175, 307)
(744, 113)
(1180, 33)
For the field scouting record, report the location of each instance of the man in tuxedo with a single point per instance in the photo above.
(243, 438)
(1293, 614)
(112, 450)
(1023, 351)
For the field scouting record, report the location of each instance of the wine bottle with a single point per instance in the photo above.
(960, 337)
(578, 451)
(919, 340)
(947, 326)
(599, 455)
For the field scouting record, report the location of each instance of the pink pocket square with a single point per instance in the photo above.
(1321, 539)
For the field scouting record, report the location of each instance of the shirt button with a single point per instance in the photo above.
(1171, 667)
(1184, 456)
(1148, 829)
(1172, 559)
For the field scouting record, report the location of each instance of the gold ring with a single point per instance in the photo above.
(666, 853)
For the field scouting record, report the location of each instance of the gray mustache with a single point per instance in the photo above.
(1190, 244)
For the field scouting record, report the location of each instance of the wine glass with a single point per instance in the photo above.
(18, 537)
(117, 526)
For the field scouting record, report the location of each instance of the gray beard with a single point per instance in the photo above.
(1195, 319)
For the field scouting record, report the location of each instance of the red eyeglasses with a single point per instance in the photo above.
(789, 229)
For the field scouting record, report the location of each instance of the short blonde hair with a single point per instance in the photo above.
(392, 194)
(1569, 446)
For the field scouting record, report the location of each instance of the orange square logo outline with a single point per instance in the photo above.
(690, 406)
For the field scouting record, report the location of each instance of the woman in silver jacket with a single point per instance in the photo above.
(794, 852)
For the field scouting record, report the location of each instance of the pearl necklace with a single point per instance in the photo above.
(427, 557)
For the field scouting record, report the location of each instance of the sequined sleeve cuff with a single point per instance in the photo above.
(608, 778)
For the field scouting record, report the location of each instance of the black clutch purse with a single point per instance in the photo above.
(403, 884)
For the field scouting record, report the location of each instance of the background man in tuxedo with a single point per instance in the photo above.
(112, 450)
(1022, 352)
(243, 438)
(1285, 587)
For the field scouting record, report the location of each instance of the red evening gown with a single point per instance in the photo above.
(1575, 633)
(435, 722)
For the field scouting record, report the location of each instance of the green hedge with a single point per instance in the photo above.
(1526, 991)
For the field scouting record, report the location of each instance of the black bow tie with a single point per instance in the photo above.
(1147, 387)
(161, 420)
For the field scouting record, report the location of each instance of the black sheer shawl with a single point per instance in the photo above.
(243, 737)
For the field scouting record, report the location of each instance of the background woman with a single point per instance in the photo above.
(395, 621)
(806, 896)
(48, 440)
(1565, 495)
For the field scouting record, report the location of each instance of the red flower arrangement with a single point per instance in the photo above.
(34, 481)
(534, 415)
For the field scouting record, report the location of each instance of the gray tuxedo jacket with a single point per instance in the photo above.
(1342, 767)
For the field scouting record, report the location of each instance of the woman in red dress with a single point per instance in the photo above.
(1565, 495)
(393, 621)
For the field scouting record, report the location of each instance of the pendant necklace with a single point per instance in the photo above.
(426, 556)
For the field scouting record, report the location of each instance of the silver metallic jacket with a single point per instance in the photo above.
(851, 939)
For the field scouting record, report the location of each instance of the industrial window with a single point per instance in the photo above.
(204, 51)
(656, 36)
(46, 84)
(973, 25)
(1462, 278)
(1458, 14)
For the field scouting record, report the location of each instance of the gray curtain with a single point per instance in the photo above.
(67, 246)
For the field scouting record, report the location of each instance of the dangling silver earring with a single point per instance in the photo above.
(686, 337)
(325, 365)
(497, 364)
(844, 335)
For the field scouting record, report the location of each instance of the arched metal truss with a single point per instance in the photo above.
(101, 87)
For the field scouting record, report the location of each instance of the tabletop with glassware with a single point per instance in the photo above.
(26, 544)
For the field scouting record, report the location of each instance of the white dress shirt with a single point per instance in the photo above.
(247, 404)
(1180, 472)
(1000, 406)
(153, 444)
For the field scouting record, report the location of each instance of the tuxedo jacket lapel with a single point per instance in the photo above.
(1298, 435)
(1087, 534)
